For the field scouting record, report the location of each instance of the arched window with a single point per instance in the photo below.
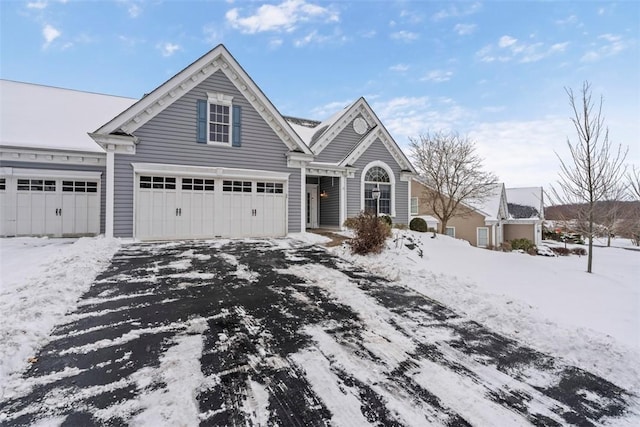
(378, 175)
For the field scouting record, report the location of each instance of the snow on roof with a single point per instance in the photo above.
(37, 116)
(525, 196)
(491, 205)
(310, 130)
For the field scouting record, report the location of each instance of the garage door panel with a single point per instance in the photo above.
(208, 208)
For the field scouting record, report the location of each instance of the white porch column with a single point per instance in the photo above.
(343, 200)
(109, 197)
(303, 199)
(493, 233)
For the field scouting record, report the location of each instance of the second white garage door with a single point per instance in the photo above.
(183, 207)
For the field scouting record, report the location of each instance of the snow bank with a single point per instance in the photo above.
(41, 280)
(551, 304)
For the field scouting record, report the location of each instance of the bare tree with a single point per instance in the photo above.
(595, 167)
(633, 183)
(452, 173)
(632, 223)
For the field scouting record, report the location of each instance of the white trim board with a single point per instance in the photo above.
(216, 172)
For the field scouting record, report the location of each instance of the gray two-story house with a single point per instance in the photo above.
(206, 154)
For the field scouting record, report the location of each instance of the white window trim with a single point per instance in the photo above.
(478, 237)
(417, 210)
(452, 228)
(220, 99)
(392, 182)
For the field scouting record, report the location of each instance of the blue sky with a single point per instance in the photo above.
(495, 71)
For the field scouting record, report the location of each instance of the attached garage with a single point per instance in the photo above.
(186, 202)
(49, 202)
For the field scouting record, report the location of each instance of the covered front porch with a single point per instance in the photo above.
(326, 197)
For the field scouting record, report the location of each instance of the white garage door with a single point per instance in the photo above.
(182, 207)
(52, 203)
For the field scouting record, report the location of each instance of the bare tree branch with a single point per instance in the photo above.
(593, 173)
(452, 173)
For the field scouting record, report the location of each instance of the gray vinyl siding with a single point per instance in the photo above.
(377, 151)
(340, 146)
(170, 138)
(64, 167)
(330, 205)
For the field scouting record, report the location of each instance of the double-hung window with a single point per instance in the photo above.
(218, 120)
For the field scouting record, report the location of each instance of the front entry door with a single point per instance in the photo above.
(312, 206)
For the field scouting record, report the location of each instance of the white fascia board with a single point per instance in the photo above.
(296, 159)
(330, 169)
(205, 171)
(22, 154)
(116, 143)
(357, 108)
(378, 132)
(49, 173)
(406, 176)
(173, 89)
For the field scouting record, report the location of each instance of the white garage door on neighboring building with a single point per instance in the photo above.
(38, 202)
(211, 202)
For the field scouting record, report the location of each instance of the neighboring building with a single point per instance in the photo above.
(526, 214)
(507, 214)
(52, 174)
(206, 154)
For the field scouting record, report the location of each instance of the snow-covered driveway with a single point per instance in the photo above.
(278, 332)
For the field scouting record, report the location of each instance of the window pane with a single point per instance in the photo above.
(23, 184)
(3, 183)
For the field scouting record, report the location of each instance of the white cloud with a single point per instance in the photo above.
(409, 117)
(570, 20)
(325, 111)
(457, 10)
(40, 4)
(275, 43)
(167, 49)
(405, 36)
(134, 7)
(464, 29)
(314, 37)
(282, 17)
(506, 41)
(212, 34)
(609, 45)
(399, 67)
(437, 76)
(522, 152)
(49, 33)
(511, 49)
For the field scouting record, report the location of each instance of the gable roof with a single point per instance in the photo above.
(217, 59)
(318, 135)
(496, 202)
(37, 116)
(525, 202)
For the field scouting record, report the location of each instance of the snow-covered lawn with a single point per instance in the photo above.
(41, 280)
(549, 303)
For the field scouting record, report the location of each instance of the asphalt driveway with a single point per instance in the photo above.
(281, 333)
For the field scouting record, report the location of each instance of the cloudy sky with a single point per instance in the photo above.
(496, 71)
